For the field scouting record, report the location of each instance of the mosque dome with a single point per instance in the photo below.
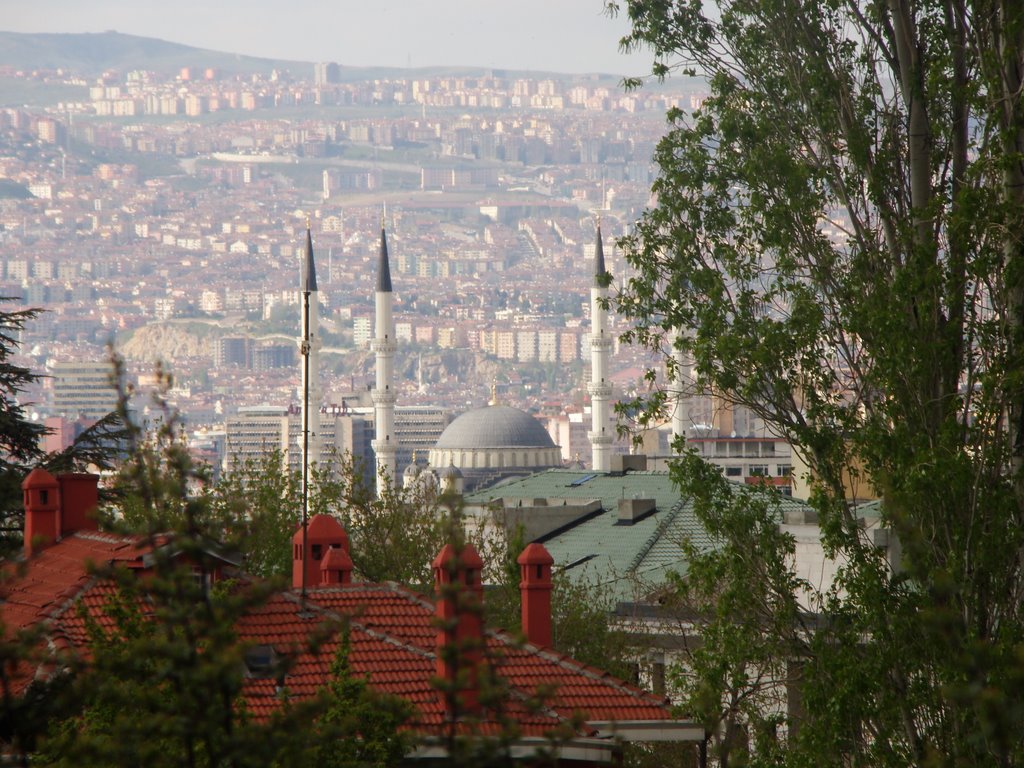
(487, 444)
(495, 426)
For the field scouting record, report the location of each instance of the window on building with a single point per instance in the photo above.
(734, 471)
(758, 470)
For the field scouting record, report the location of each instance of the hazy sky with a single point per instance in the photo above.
(560, 35)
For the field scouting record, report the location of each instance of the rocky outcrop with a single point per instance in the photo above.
(166, 342)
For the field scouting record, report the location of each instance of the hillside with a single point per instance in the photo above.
(89, 53)
(92, 53)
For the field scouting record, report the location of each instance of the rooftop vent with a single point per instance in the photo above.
(633, 510)
(261, 661)
(622, 463)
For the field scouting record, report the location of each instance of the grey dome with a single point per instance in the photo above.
(495, 426)
(450, 472)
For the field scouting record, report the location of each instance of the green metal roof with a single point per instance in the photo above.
(631, 559)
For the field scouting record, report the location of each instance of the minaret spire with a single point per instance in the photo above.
(311, 337)
(309, 347)
(600, 346)
(385, 446)
(309, 264)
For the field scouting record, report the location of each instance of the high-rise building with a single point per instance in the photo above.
(258, 430)
(83, 389)
(326, 73)
(233, 350)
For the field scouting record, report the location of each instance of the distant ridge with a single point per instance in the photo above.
(90, 53)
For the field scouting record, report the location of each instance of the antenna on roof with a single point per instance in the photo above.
(306, 286)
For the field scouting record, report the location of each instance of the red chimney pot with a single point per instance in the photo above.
(79, 498)
(535, 593)
(42, 510)
(336, 567)
(322, 533)
(460, 634)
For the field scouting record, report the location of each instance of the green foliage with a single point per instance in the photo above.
(737, 679)
(164, 681)
(97, 447)
(581, 618)
(25, 716)
(165, 673)
(837, 246)
(258, 506)
(395, 536)
(19, 436)
(20, 449)
(358, 727)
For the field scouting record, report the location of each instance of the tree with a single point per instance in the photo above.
(358, 728)
(396, 535)
(836, 244)
(20, 437)
(257, 505)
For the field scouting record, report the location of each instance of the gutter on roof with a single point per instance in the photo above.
(599, 751)
(651, 730)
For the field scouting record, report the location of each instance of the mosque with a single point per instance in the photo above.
(482, 446)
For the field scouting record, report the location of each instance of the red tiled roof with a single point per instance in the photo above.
(58, 574)
(392, 636)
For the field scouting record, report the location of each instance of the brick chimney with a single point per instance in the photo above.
(42, 510)
(460, 635)
(323, 533)
(336, 567)
(79, 498)
(535, 593)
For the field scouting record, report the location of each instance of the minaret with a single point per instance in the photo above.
(383, 345)
(311, 331)
(679, 390)
(600, 346)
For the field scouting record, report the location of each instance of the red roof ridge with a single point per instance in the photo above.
(353, 621)
(411, 594)
(567, 662)
(391, 640)
(58, 641)
(66, 598)
(106, 537)
(380, 587)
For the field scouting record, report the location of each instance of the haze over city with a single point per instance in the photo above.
(571, 36)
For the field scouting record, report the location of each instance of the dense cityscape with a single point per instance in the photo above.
(164, 212)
